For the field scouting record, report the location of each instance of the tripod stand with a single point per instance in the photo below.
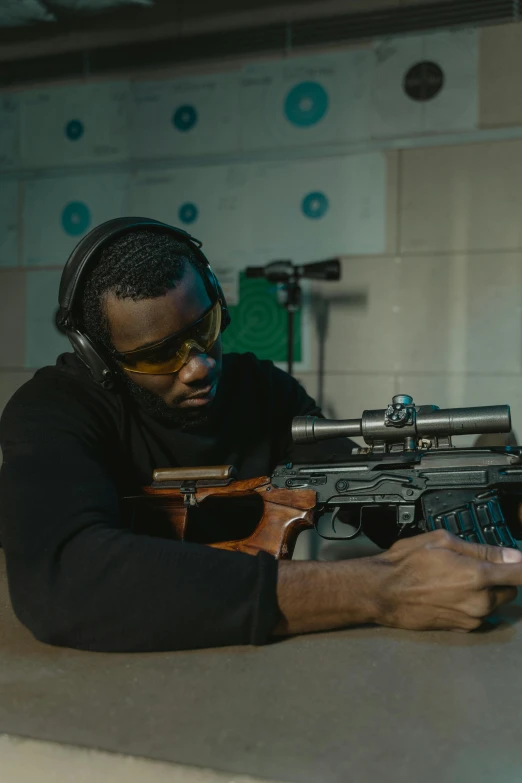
(290, 295)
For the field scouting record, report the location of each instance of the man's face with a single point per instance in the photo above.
(184, 397)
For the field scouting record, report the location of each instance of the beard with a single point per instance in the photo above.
(157, 409)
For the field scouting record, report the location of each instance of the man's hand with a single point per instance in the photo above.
(432, 581)
(438, 581)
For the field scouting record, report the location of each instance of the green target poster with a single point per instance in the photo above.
(259, 323)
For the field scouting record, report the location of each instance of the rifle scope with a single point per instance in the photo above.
(402, 419)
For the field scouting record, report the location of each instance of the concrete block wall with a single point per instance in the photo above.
(443, 317)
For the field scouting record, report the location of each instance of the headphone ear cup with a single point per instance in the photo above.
(92, 358)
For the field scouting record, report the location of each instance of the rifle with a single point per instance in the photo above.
(409, 474)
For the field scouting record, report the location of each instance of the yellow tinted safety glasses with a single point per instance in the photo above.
(169, 355)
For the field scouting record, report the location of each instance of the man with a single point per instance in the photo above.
(79, 577)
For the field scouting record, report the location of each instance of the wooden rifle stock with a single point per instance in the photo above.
(286, 513)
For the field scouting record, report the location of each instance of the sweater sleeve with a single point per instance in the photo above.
(79, 578)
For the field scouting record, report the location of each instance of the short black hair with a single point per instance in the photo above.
(140, 264)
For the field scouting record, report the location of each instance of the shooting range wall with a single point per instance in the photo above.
(402, 155)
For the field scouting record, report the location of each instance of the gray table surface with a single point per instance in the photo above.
(358, 705)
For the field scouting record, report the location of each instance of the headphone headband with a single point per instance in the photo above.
(86, 253)
(84, 258)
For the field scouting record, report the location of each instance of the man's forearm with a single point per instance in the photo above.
(428, 582)
(322, 596)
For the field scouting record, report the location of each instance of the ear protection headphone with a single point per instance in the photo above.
(80, 263)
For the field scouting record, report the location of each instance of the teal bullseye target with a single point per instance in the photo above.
(315, 205)
(76, 218)
(306, 104)
(188, 213)
(259, 323)
(185, 118)
(74, 130)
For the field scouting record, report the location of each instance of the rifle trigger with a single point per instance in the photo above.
(405, 515)
(188, 490)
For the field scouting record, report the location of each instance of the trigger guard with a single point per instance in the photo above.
(334, 515)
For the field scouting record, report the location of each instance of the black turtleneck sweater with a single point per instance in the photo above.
(78, 576)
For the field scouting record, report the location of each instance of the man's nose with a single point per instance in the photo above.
(197, 369)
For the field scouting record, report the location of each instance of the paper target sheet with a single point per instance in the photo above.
(184, 117)
(425, 84)
(208, 202)
(58, 212)
(305, 101)
(259, 324)
(87, 123)
(315, 209)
